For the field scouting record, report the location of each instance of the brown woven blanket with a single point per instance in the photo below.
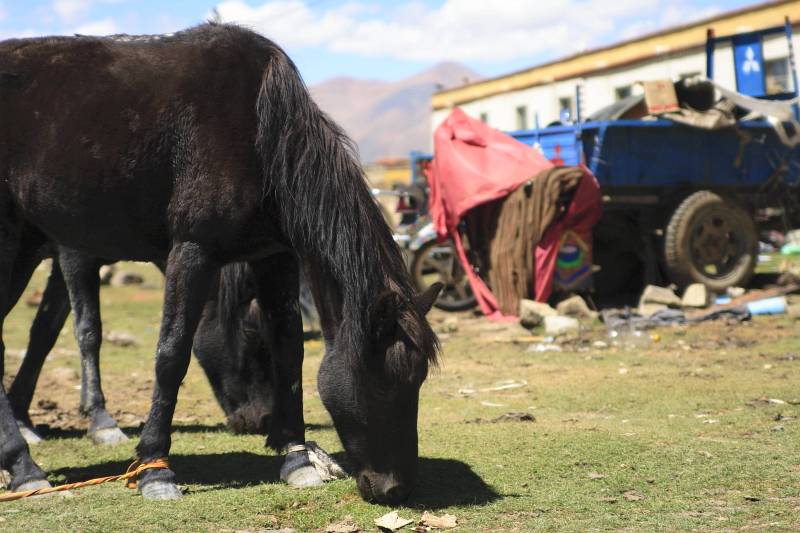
(504, 233)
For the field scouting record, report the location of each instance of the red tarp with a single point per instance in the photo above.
(475, 164)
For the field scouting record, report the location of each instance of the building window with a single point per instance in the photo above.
(776, 76)
(522, 117)
(623, 92)
(484, 117)
(565, 108)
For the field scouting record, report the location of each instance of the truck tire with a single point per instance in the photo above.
(710, 240)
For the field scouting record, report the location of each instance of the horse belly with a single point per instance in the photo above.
(104, 221)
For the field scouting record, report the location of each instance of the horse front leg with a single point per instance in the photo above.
(50, 317)
(278, 285)
(83, 284)
(189, 273)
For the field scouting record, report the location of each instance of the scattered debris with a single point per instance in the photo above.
(515, 417)
(595, 475)
(632, 496)
(106, 273)
(47, 405)
(541, 347)
(122, 278)
(506, 385)
(695, 295)
(492, 404)
(600, 345)
(752, 498)
(735, 292)
(649, 310)
(508, 417)
(450, 325)
(532, 313)
(768, 306)
(430, 520)
(558, 325)
(347, 525)
(120, 338)
(392, 522)
(35, 298)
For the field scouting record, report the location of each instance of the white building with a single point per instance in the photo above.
(547, 93)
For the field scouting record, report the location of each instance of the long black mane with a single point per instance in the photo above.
(312, 175)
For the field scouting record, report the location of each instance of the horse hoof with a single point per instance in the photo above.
(298, 471)
(28, 433)
(303, 477)
(41, 484)
(108, 436)
(160, 490)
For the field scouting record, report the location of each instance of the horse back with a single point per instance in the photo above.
(153, 134)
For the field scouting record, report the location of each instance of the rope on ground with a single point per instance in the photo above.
(136, 468)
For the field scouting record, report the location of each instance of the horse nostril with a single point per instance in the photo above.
(397, 493)
(392, 491)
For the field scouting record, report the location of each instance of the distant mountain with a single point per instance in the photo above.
(388, 119)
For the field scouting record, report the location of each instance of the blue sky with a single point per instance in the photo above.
(379, 39)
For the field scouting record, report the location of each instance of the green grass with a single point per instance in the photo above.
(682, 422)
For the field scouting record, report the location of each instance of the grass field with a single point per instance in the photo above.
(698, 431)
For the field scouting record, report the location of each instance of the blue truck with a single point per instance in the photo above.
(684, 204)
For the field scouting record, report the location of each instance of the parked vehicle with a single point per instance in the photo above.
(684, 204)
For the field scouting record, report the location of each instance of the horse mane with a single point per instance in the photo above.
(312, 175)
(236, 290)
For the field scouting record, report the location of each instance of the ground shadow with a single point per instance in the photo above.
(228, 470)
(132, 431)
(447, 482)
(441, 482)
(48, 432)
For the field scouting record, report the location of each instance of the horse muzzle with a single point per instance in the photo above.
(382, 488)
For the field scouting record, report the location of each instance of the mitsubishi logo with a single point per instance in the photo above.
(750, 64)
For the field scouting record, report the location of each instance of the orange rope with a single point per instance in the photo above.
(130, 476)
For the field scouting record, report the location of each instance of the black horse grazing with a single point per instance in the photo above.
(229, 344)
(201, 149)
(232, 354)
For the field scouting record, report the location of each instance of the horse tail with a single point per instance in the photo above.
(313, 177)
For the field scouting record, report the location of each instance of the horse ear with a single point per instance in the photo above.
(425, 300)
(384, 313)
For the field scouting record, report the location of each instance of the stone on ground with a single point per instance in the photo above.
(532, 313)
(122, 278)
(559, 325)
(577, 307)
(695, 295)
(654, 294)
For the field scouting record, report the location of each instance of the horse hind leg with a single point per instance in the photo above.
(50, 317)
(14, 453)
(278, 285)
(189, 274)
(83, 285)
